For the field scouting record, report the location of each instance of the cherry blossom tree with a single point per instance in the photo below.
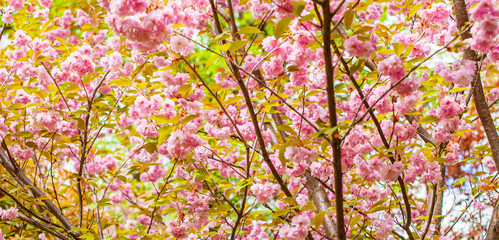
(249, 119)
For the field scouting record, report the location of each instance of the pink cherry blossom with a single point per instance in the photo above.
(42, 236)
(9, 214)
(264, 192)
(358, 48)
(21, 39)
(181, 45)
(437, 13)
(448, 108)
(392, 67)
(17, 4)
(391, 172)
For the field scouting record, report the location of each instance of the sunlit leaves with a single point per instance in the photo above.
(281, 27)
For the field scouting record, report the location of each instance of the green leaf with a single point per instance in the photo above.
(214, 86)
(414, 10)
(281, 212)
(330, 131)
(348, 18)
(77, 229)
(243, 2)
(309, 17)
(260, 95)
(274, 97)
(159, 119)
(460, 181)
(259, 212)
(354, 220)
(243, 183)
(408, 50)
(385, 51)
(188, 119)
(292, 68)
(458, 89)
(427, 119)
(92, 206)
(421, 218)
(164, 133)
(220, 37)
(88, 236)
(299, 6)
(236, 45)
(170, 216)
(233, 100)
(223, 48)
(122, 178)
(249, 30)
(413, 113)
(150, 147)
(120, 82)
(399, 48)
(282, 27)
(289, 200)
(286, 128)
(281, 153)
(201, 177)
(460, 132)
(438, 159)
(318, 219)
(160, 203)
(359, 65)
(184, 90)
(458, 45)
(363, 29)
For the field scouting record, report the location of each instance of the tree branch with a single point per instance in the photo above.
(333, 122)
(482, 107)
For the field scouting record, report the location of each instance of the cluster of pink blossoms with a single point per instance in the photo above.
(439, 12)
(21, 153)
(443, 130)
(301, 158)
(448, 108)
(148, 25)
(181, 45)
(374, 11)
(385, 226)
(143, 109)
(298, 229)
(9, 214)
(392, 67)
(98, 165)
(462, 74)
(406, 37)
(420, 166)
(360, 49)
(486, 28)
(264, 192)
(255, 231)
(144, 24)
(156, 172)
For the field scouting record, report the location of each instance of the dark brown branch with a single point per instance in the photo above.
(29, 211)
(43, 227)
(431, 211)
(482, 107)
(11, 166)
(383, 139)
(333, 122)
(261, 142)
